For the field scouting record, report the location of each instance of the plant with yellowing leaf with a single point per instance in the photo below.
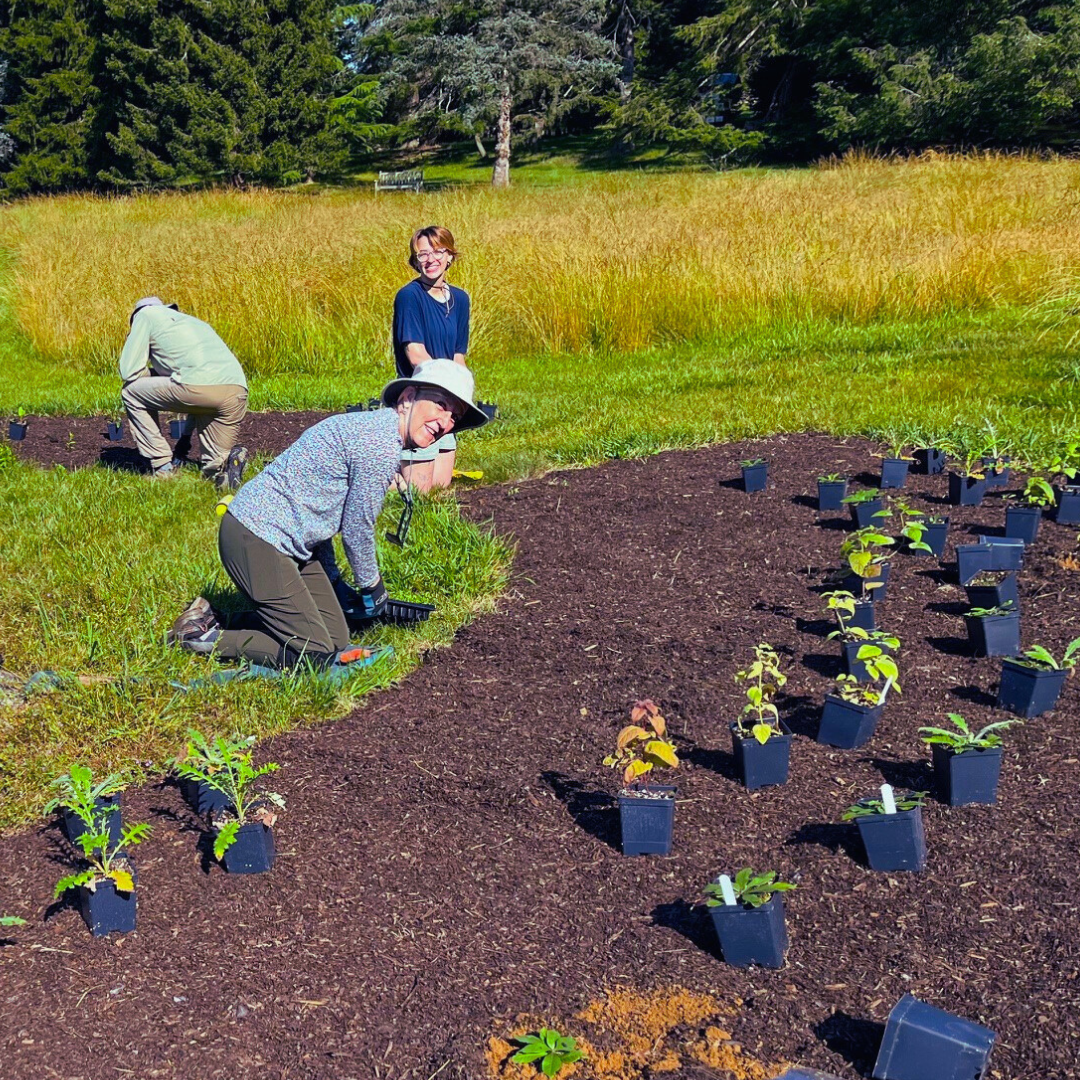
(760, 718)
(641, 745)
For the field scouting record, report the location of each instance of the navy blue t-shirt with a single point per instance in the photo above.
(443, 329)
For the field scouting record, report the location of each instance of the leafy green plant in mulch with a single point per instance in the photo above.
(763, 678)
(962, 738)
(751, 888)
(870, 805)
(550, 1051)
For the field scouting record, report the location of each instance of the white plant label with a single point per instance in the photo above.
(727, 890)
(887, 800)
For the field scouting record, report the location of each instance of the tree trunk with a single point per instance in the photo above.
(624, 43)
(500, 175)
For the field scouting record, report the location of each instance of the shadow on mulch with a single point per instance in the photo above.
(950, 646)
(804, 717)
(721, 762)
(736, 484)
(690, 920)
(594, 811)
(912, 775)
(804, 500)
(827, 664)
(853, 1038)
(985, 530)
(818, 627)
(975, 695)
(939, 576)
(831, 835)
(947, 608)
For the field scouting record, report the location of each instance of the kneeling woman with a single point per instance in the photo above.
(276, 537)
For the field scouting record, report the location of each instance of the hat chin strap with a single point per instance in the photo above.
(410, 442)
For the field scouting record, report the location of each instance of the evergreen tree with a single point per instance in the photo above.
(505, 62)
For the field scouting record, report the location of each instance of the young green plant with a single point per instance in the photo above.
(963, 738)
(1038, 656)
(864, 551)
(79, 793)
(870, 805)
(641, 746)
(913, 523)
(548, 1049)
(883, 674)
(1037, 493)
(108, 860)
(225, 765)
(750, 888)
(763, 678)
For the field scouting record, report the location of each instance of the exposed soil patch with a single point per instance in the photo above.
(77, 441)
(449, 858)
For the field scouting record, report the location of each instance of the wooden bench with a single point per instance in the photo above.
(406, 180)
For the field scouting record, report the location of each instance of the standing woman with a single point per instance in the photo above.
(431, 322)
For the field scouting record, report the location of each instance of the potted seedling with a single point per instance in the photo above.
(755, 474)
(748, 914)
(865, 506)
(922, 1042)
(851, 714)
(922, 534)
(891, 830)
(761, 743)
(967, 764)
(244, 840)
(200, 794)
(1022, 521)
(1031, 683)
(1067, 466)
(859, 653)
(82, 800)
(17, 426)
(994, 631)
(866, 552)
(831, 489)
(116, 427)
(1005, 552)
(931, 460)
(894, 467)
(852, 614)
(548, 1050)
(647, 813)
(992, 589)
(106, 887)
(969, 487)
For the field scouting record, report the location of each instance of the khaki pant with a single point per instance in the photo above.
(297, 615)
(215, 410)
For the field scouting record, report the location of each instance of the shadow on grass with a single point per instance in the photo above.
(592, 810)
(856, 1040)
(123, 459)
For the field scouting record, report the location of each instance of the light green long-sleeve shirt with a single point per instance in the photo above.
(180, 346)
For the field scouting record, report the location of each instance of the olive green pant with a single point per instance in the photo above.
(216, 412)
(296, 616)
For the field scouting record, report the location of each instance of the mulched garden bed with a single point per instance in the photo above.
(75, 441)
(449, 857)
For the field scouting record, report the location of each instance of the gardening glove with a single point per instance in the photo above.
(363, 606)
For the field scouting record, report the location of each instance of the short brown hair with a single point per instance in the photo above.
(437, 236)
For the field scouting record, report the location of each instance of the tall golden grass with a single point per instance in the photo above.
(300, 283)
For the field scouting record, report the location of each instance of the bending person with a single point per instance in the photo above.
(431, 321)
(175, 362)
(275, 539)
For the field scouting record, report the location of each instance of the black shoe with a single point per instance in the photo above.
(232, 476)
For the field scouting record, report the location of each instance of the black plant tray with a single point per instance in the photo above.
(404, 613)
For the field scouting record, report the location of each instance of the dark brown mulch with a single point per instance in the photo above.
(77, 441)
(450, 853)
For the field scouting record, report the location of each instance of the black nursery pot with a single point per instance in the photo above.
(893, 472)
(761, 764)
(966, 490)
(488, 408)
(356, 408)
(846, 725)
(1068, 507)
(863, 513)
(176, 428)
(864, 617)
(201, 797)
(930, 460)
(116, 431)
(16, 432)
(971, 559)
(994, 635)
(970, 777)
(996, 478)
(854, 666)
(989, 596)
(106, 910)
(922, 1042)
(1022, 523)
(830, 494)
(754, 477)
(253, 850)
(647, 823)
(1028, 691)
(894, 841)
(1006, 552)
(856, 585)
(752, 935)
(74, 827)
(937, 532)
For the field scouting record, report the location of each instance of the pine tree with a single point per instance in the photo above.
(498, 61)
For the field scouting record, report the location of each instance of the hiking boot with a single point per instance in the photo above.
(232, 475)
(169, 471)
(195, 621)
